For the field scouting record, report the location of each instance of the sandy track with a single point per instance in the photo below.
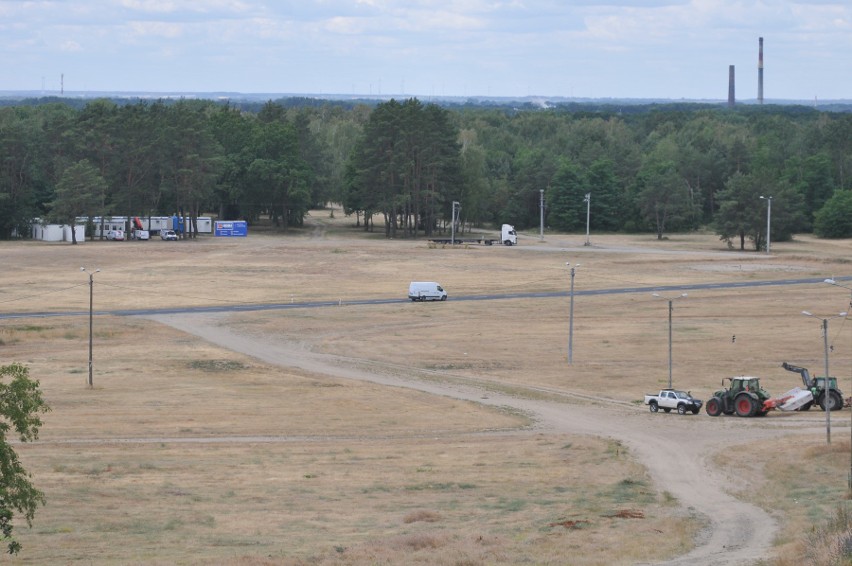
(675, 449)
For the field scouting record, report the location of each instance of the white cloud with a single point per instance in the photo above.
(70, 46)
(155, 29)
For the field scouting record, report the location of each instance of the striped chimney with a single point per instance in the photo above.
(760, 72)
(731, 89)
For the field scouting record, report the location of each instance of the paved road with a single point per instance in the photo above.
(489, 297)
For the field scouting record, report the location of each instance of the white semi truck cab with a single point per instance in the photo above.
(508, 235)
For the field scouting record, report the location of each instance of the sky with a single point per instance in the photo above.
(661, 49)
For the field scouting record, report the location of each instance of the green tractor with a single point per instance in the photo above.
(743, 396)
(833, 398)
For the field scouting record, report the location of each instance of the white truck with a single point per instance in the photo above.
(668, 399)
(508, 237)
(426, 291)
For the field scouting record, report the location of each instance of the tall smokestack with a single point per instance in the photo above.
(731, 89)
(760, 72)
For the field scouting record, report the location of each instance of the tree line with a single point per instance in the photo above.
(654, 168)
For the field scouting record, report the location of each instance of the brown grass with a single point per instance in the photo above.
(239, 462)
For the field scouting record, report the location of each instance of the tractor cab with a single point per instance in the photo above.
(819, 383)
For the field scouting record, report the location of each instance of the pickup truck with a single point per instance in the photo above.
(669, 399)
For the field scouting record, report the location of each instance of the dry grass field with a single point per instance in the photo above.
(185, 452)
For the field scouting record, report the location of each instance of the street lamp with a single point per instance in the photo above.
(768, 218)
(588, 200)
(836, 284)
(91, 303)
(670, 300)
(541, 215)
(571, 316)
(827, 404)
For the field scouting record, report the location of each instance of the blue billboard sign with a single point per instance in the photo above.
(230, 228)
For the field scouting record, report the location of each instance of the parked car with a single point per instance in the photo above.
(140, 235)
(669, 399)
(168, 235)
(116, 235)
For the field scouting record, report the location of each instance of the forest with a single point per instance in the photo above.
(656, 168)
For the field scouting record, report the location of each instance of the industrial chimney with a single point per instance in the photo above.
(760, 72)
(731, 89)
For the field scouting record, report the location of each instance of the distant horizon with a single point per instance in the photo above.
(219, 95)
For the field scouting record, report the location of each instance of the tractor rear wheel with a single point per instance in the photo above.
(713, 407)
(833, 399)
(745, 405)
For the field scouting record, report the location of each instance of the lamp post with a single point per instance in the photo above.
(588, 200)
(91, 304)
(827, 404)
(541, 215)
(836, 284)
(456, 207)
(571, 316)
(768, 219)
(671, 307)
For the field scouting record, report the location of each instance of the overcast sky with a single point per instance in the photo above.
(669, 49)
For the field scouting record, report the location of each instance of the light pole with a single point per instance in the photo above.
(768, 219)
(827, 404)
(671, 307)
(456, 207)
(571, 316)
(541, 215)
(836, 284)
(588, 200)
(91, 304)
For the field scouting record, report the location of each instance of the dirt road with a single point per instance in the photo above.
(675, 449)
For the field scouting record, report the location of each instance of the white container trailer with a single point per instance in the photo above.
(57, 232)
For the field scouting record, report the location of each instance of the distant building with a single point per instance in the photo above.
(57, 232)
(154, 224)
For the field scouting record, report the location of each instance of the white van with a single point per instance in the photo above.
(426, 291)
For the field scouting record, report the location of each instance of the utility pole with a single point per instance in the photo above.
(91, 313)
(456, 208)
(588, 201)
(571, 317)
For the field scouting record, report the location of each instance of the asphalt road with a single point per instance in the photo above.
(489, 297)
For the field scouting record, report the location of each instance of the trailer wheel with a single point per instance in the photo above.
(806, 407)
(744, 405)
(653, 406)
(713, 407)
(681, 409)
(667, 409)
